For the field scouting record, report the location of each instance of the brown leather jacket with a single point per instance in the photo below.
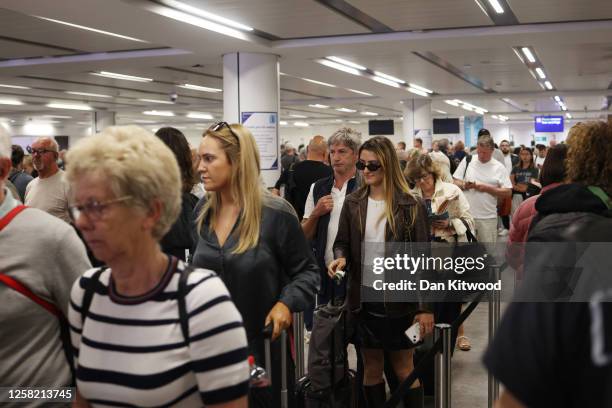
(350, 236)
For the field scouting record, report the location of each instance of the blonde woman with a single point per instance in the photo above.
(251, 238)
(381, 211)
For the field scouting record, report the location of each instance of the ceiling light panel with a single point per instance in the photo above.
(347, 110)
(389, 77)
(115, 75)
(187, 18)
(198, 115)
(540, 73)
(366, 113)
(528, 54)
(157, 101)
(14, 102)
(69, 106)
(95, 95)
(319, 82)
(318, 105)
(347, 63)
(158, 113)
(360, 92)
(301, 124)
(205, 14)
(199, 88)
(420, 88)
(125, 37)
(417, 91)
(339, 67)
(496, 6)
(386, 81)
(14, 86)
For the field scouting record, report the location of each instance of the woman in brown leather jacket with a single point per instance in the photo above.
(381, 211)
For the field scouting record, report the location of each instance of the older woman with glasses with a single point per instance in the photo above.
(447, 207)
(146, 330)
(251, 238)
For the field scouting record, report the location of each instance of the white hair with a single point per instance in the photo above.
(5, 143)
(49, 139)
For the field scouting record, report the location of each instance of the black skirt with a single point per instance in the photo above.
(376, 330)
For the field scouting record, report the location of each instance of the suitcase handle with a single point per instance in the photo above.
(267, 333)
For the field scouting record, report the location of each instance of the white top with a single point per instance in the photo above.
(338, 196)
(50, 195)
(375, 221)
(539, 162)
(494, 173)
(508, 162)
(131, 350)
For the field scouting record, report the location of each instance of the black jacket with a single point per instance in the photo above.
(569, 217)
(281, 267)
(182, 234)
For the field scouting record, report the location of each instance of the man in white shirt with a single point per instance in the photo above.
(510, 160)
(48, 192)
(325, 200)
(484, 181)
(541, 156)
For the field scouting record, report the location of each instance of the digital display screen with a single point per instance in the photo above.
(446, 126)
(549, 123)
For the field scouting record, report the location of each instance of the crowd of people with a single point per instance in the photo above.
(165, 263)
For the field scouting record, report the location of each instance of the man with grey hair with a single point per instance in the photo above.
(484, 180)
(325, 200)
(48, 192)
(46, 256)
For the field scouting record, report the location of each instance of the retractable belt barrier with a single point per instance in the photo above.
(443, 379)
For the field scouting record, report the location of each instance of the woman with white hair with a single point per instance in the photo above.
(146, 331)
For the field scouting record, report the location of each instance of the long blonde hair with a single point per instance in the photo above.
(245, 186)
(393, 179)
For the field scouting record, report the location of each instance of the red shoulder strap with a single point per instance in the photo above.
(4, 221)
(25, 291)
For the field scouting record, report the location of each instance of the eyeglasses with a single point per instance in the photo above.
(216, 126)
(372, 166)
(38, 151)
(94, 210)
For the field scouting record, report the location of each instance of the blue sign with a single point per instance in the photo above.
(549, 123)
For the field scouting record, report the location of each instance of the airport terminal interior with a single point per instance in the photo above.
(290, 70)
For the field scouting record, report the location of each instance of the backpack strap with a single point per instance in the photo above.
(598, 191)
(51, 308)
(90, 289)
(468, 159)
(4, 221)
(182, 304)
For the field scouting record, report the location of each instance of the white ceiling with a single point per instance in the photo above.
(576, 55)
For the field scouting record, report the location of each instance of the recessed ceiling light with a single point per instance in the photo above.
(528, 54)
(366, 113)
(57, 117)
(347, 110)
(283, 123)
(347, 63)
(157, 101)
(359, 92)
(318, 105)
(84, 123)
(442, 112)
(205, 14)
(319, 82)
(540, 72)
(496, 6)
(417, 91)
(115, 75)
(389, 77)
(300, 124)
(200, 88)
(88, 94)
(158, 113)
(14, 86)
(125, 37)
(10, 102)
(386, 81)
(198, 115)
(355, 122)
(453, 102)
(548, 85)
(568, 115)
(187, 18)
(143, 121)
(299, 116)
(69, 106)
(339, 67)
(557, 98)
(420, 88)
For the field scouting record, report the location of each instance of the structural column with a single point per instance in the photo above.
(101, 120)
(251, 97)
(417, 121)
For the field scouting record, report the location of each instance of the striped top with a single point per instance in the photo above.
(131, 350)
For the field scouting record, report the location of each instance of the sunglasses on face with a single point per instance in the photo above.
(372, 166)
(219, 125)
(38, 151)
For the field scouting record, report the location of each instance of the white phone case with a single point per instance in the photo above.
(414, 333)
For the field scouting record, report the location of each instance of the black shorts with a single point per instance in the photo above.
(375, 331)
